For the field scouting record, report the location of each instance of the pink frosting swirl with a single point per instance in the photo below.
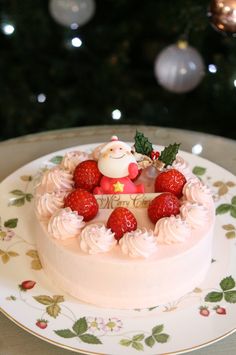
(48, 203)
(194, 213)
(56, 179)
(96, 238)
(172, 230)
(139, 243)
(65, 223)
(195, 191)
(182, 166)
(72, 159)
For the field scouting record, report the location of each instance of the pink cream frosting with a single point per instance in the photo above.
(96, 238)
(56, 179)
(194, 213)
(72, 159)
(195, 191)
(172, 229)
(48, 203)
(139, 243)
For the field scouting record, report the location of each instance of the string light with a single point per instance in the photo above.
(41, 98)
(76, 42)
(197, 149)
(116, 114)
(212, 68)
(8, 29)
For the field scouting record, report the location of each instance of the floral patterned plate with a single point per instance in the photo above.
(28, 297)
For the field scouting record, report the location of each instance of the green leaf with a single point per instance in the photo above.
(29, 197)
(138, 337)
(230, 235)
(227, 283)
(230, 296)
(199, 170)
(150, 341)
(53, 310)
(11, 223)
(43, 299)
(18, 202)
(125, 342)
(90, 339)
(233, 211)
(80, 326)
(58, 298)
(229, 227)
(168, 155)
(158, 329)
(137, 346)
(233, 201)
(224, 208)
(161, 338)
(142, 144)
(65, 333)
(17, 192)
(214, 296)
(57, 159)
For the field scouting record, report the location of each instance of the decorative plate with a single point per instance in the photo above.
(28, 297)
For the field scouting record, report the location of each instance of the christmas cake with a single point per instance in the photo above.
(124, 226)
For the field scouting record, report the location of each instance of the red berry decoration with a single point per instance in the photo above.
(27, 285)
(86, 175)
(170, 181)
(164, 205)
(83, 202)
(120, 221)
(42, 323)
(220, 310)
(204, 311)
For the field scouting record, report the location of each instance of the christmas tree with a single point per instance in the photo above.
(102, 71)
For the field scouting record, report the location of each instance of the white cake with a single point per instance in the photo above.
(155, 264)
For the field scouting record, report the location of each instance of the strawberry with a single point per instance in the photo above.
(163, 205)
(86, 175)
(204, 311)
(120, 221)
(42, 323)
(83, 202)
(170, 181)
(220, 310)
(27, 285)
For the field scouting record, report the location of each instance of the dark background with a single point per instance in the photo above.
(113, 69)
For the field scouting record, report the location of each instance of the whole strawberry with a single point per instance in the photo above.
(204, 311)
(120, 221)
(164, 205)
(27, 285)
(83, 202)
(170, 181)
(220, 310)
(42, 323)
(86, 175)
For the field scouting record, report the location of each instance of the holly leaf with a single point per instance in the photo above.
(137, 346)
(214, 296)
(142, 144)
(233, 201)
(90, 339)
(227, 283)
(230, 296)
(138, 337)
(11, 223)
(53, 310)
(168, 155)
(125, 342)
(158, 329)
(80, 326)
(233, 211)
(224, 208)
(65, 333)
(150, 341)
(43, 299)
(199, 170)
(56, 160)
(161, 338)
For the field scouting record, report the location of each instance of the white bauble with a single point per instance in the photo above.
(68, 12)
(179, 68)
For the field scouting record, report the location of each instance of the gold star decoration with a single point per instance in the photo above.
(118, 187)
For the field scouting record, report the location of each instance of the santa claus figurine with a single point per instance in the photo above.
(118, 167)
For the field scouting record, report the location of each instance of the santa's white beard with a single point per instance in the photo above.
(115, 168)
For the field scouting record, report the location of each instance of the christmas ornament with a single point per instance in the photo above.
(222, 14)
(72, 12)
(179, 68)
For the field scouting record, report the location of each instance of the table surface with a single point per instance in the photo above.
(18, 151)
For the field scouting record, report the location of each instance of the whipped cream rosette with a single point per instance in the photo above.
(194, 213)
(56, 179)
(48, 203)
(172, 229)
(138, 243)
(182, 166)
(72, 159)
(65, 223)
(96, 238)
(195, 191)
